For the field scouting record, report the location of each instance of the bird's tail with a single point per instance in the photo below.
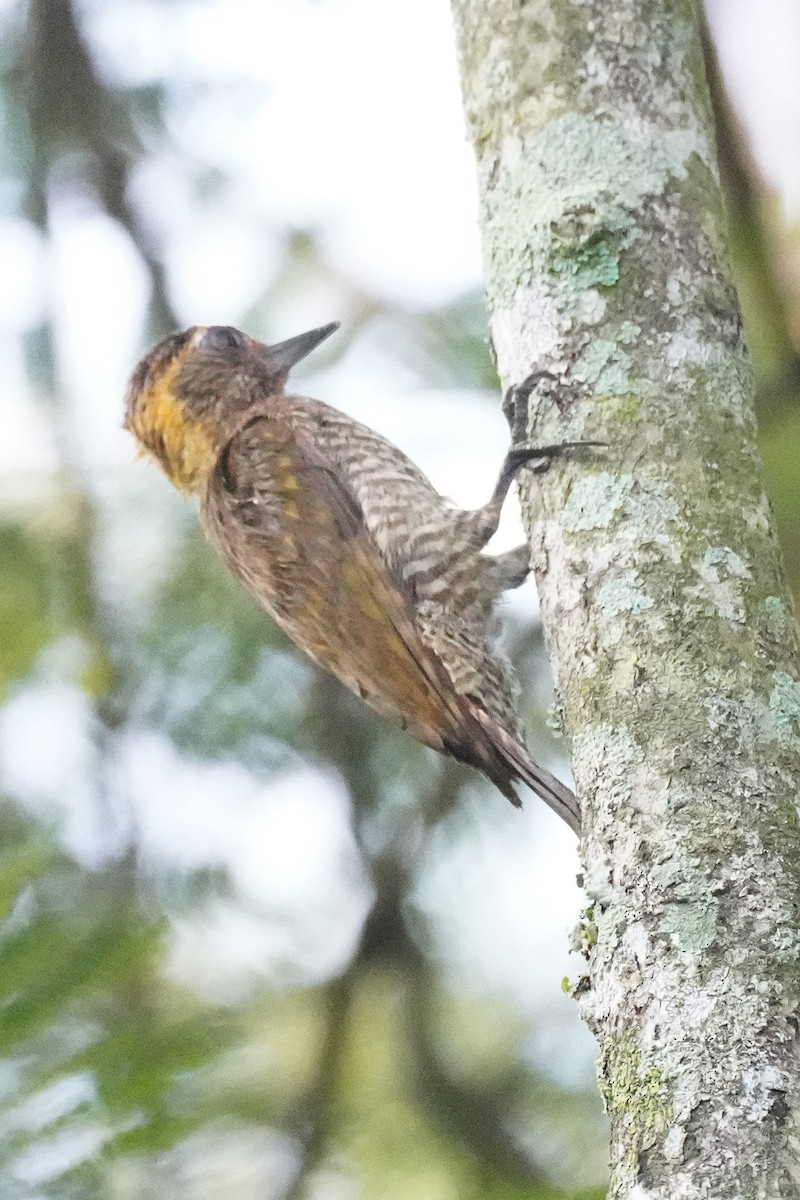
(512, 761)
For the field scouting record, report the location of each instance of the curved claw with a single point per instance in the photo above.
(526, 456)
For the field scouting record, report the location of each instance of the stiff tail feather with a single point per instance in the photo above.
(519, 765)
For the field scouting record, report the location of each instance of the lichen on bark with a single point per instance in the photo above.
(671, 634)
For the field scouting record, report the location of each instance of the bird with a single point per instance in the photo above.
(344, 540)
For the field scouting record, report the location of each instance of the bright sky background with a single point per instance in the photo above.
(759, 50)
(343, 116)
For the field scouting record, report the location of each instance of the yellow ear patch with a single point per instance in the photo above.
(182, 443)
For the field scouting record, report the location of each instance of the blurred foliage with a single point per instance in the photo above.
(96, 1050)
(121, 1076)
(26, 585)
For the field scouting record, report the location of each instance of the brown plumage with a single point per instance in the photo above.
(344, 540)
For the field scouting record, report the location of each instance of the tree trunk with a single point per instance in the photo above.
(670, 629)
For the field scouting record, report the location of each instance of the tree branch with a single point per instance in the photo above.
(668, 620)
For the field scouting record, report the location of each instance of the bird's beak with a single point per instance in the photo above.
(285, 355)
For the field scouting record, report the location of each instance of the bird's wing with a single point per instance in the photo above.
(293, 529)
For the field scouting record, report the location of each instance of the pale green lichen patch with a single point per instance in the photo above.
(629, 333)
(652, 507)
(690, 345)
(774, 718)
(624, 595)
(693, 924)
(634, 1092)
(776, 611)
(784, 710)
(580, 180)
(596, 501)
(593, 262)
(722, 573)
(730, 382)
(779, 622)
(586, 157)
(717, 557)
(690, 912)
(681, 877)
(604, 365)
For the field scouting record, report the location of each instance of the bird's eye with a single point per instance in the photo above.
(222, 337)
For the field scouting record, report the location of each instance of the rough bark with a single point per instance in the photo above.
(671, 633)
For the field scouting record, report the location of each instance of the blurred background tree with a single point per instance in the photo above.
(255, 943)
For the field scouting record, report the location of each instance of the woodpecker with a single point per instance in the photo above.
(347, 543)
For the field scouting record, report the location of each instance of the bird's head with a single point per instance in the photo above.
(190, 392)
